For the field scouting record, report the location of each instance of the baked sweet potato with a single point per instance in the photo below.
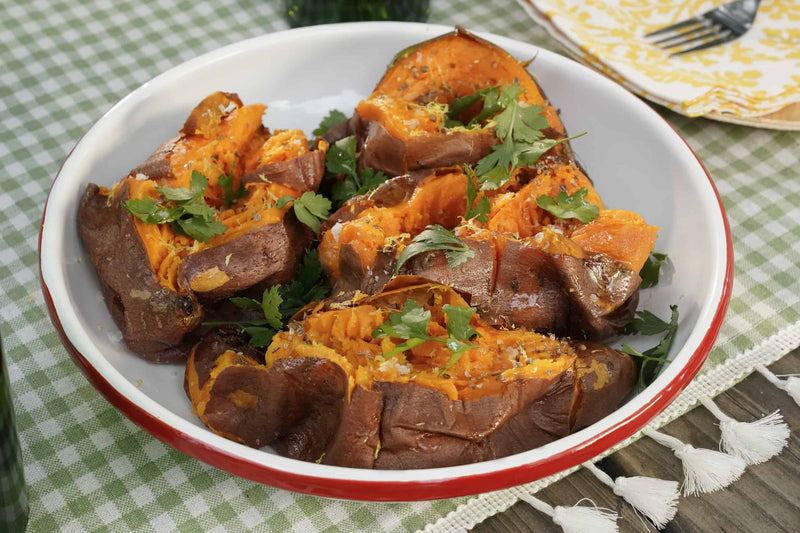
(326, 392)
(529, 269)
(261, 244)
(401, 126)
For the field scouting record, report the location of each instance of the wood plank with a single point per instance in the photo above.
(766, 499)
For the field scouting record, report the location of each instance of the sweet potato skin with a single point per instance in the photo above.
(153, 319)
(266, 254)
(382, 151)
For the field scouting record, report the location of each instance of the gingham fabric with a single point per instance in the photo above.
(88, 468)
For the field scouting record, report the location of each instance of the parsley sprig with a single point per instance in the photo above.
(311, 208)
(650, 361)
(570, 206)
(334, 118)
(436, 237)
(341, 159)
(260, 330)
(479, 211)
(651, 269)
(520, 128)
(411, 324)
(307, 286)
(225, 181)
(185, 208)
(280, 302)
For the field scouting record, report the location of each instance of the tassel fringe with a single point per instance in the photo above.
(704, 470)
(791, 384)
(656, 499)
(755, 442)
(577, 518)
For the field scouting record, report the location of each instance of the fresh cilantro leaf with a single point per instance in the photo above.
(307, 286)
(197, 188)
(480, 211)
(199, 228)
(310, 209)
(225, 181)
(260, 337)
(496, 168)
(651, 269)
(411, 324)
(260, 330)
(491, 106)
(646, 323)
(521, 123)
(570, 206)
(650, 361)
(270, 306)
(458, 321)
(519, 127)
(199, 208)
(530, 153)
(150, 212)
(341, 158)
(458, 348)
(334, 118)
(246, 303)
(280, 302)
(349, 187)
(436, 238)
(191, 216)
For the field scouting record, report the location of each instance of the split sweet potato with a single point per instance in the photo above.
(401, 126)
(325, 392)
(261, 245)
(529, 269)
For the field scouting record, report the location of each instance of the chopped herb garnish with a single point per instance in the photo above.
(411, 324)
(479, 211)
(650, 361)
(307, 286)
(280, 302)
(225, 181)
(260, 330)
(190, 215)
(651, 269)
(334, 118)
(436, 238)
(570, 206)
(491, 107)
(520, 128)
(311, 208)
(341, 159)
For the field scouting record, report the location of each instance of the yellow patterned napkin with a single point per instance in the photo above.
(757, 74)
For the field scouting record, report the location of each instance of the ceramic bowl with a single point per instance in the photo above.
(637, 162)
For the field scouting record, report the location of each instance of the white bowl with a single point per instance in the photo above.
(635, 158)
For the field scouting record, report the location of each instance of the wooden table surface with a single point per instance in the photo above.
(766, 499)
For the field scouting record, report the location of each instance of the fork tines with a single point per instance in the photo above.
(717, 26)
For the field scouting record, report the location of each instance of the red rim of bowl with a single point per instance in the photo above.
(407, 490)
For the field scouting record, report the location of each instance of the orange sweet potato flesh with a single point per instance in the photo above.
(262, 245)
(527, 271)
(458, 64)
(325, 393)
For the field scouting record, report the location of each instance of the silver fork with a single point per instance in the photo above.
(717, 26)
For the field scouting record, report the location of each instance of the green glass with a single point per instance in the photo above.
(310, 12)
(13, 493)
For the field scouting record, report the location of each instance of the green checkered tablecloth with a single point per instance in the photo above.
(64, 63)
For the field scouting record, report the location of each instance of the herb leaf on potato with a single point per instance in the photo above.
(190, 215)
